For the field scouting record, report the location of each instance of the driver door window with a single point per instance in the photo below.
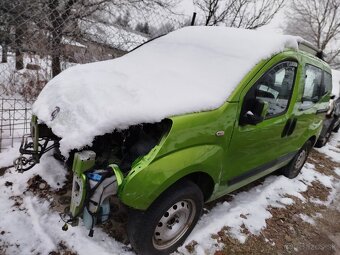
(275, 88)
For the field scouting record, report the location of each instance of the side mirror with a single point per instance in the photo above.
(256, 111)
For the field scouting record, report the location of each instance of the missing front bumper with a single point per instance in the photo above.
(34, 145)
(31, 150)
(92, 188)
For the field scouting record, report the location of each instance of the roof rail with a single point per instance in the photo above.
(310, 48)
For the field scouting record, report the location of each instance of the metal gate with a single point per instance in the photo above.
(15, 116)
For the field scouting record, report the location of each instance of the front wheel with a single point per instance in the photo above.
(168, 221)
(294, 167)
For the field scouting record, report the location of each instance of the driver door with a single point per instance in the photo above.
(257, 148)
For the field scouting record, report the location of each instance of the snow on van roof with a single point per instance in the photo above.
(190, 70)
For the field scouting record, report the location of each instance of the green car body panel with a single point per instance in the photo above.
(215, 147)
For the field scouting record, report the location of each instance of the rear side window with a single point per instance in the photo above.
(327, 81)
(313, 84)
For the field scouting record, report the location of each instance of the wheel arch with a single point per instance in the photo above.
(204, 182)
(197, 164)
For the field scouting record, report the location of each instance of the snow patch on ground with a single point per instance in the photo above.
(331, 149)
(337, 171)
(254, 204)
(33, 228)
(50, 169)
(9, 155)
(307, 219)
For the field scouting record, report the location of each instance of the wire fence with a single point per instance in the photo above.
(41, 38)
(14, 121)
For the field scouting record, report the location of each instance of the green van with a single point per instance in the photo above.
(164, 170)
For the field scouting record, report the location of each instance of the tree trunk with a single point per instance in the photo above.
(55, 65)
(19, 56)
(19, 59)
(57, 22)
(4, 53)
(56, 53)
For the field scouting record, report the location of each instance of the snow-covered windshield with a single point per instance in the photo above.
(190, 70)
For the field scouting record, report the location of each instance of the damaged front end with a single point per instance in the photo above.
(34, 145)
(91, 191)
(98, 170)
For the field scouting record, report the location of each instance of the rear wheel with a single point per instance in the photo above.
(336, 129)
(168, 221)
(324, 140)
(294, 167)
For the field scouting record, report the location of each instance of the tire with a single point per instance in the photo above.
(295, 165)
(323, 141)
(336, 129)
(180, 207)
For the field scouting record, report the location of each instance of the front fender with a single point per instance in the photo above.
(143, 185)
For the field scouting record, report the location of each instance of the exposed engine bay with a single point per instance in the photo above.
(124, 147)
(121, 147)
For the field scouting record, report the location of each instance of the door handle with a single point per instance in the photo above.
(292, 127)
(320, 111)
(286, 128)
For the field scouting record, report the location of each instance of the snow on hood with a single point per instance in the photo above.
(190, 70)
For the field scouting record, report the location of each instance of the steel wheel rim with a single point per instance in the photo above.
(301, 159)
(173, 224)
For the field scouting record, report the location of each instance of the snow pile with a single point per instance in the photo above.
(307, 219)
(9, 155)
(190, 70)
(29, 226)
(336, 82)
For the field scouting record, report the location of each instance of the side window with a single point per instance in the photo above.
(274, 87)
(313, 84)
(327, 82)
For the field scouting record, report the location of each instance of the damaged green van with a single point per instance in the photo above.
(192, 143)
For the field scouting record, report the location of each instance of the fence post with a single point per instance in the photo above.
(193, 19)
(14, 122)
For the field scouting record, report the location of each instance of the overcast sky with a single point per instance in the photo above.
(187, 7)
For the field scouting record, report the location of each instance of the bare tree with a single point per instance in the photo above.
(60, 19)
(239, 13)
(4, 41)
(317, 21)
(13, 17)
(44, 27)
